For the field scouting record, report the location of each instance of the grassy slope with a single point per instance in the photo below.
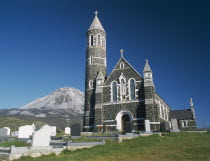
(173, 146)
(14, 123)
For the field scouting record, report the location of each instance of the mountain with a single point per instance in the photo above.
(60, 108)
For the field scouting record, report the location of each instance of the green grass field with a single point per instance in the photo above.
(17, 143)
(171, 146)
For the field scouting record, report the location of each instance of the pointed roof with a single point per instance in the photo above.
(96, 24)
(100, 75)
(147, 67)
(122, 59)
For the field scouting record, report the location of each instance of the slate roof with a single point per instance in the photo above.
(181, 114)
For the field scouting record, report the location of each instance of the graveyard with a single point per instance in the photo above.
(47, 142)
(170, 146)
(33, 142)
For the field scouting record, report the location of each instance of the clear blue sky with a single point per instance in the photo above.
(43, 43)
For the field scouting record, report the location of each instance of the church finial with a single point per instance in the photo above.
(96, 13)
(121, 51)
(146, 61)
(191, 102)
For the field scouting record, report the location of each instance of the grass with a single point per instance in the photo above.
(15, 123)
(83, 139)
(171, 147)
(17, 143)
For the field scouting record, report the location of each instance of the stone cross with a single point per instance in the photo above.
(121, 51)
(96, 13)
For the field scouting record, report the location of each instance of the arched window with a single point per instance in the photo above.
(99, 39)
(91, 60)
(90, 84)
(114, 91)
(165, 114)
(102, 41)
(122, 65)
(91, 40)
(160, 109)
(162, 112)
(132, 89)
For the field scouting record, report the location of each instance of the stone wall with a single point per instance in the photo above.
(191, 125)
(135, 108)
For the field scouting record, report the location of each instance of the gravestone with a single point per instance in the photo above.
(26, 131)
(68, 131)
(147, 125)
(174, 125)
(42, 136)
(15, 133)
(5, 131)
(76, 129)
(53, 130)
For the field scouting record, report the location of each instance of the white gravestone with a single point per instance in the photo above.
(26, 131)
(68, 131)
(174, 125)
(147, 125)
(5, 131)
(42, 136)
(15, 133)
(53, 130)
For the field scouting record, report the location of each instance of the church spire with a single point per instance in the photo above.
(192, 108)
(147, 67)
(100, 75)
(96, 24)
(148, 80)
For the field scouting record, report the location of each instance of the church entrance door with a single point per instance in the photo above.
(125, 120)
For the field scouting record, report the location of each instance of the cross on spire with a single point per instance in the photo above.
(96, 13)
(121, 51)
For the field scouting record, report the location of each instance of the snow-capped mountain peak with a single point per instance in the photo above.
(66, 98)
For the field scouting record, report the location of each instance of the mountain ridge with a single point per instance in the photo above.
(61, 107)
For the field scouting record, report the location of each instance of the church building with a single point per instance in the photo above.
(124, 100)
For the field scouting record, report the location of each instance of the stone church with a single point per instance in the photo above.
(124, 100)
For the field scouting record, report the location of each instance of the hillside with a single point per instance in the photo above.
(171, 147)
(14, 123)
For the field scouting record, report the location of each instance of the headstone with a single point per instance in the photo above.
(42, 136)
(147, 125)
(5, 131)
(68, 131)
(174, 125)
(53, 130)
(76, 129)
(15, 133)
(26, 131)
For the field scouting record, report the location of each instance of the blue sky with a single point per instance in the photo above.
(43, 45)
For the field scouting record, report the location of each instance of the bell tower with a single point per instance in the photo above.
(150, 106)
(95, 62)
